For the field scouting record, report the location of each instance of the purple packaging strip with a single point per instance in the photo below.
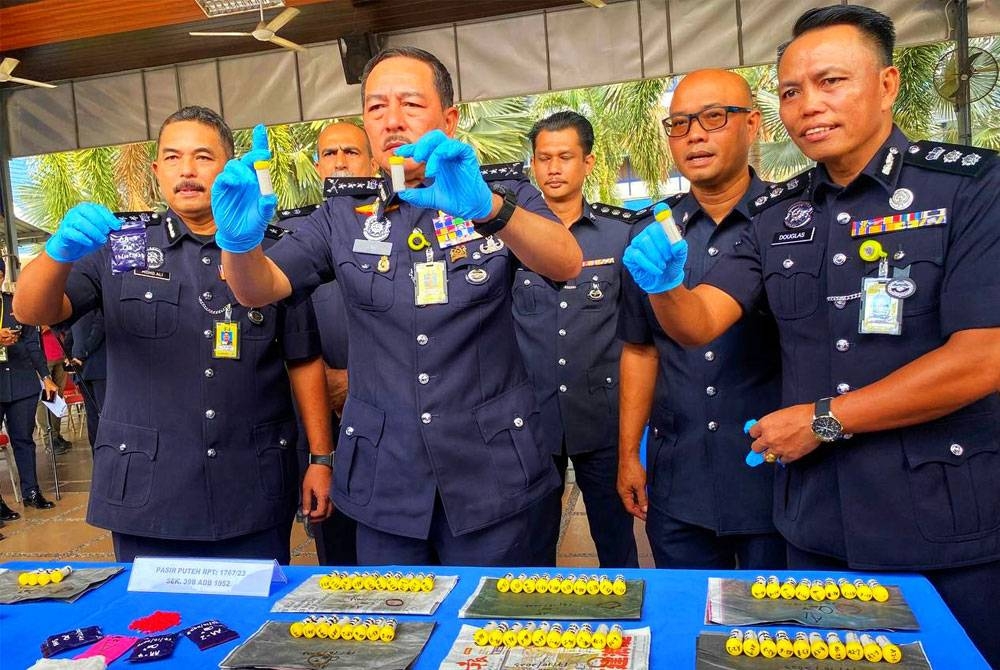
(55, 644)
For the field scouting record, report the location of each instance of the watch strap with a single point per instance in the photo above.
(321, 459)
(497, 223)
(822, 407)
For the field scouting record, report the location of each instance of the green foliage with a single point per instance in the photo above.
(496, 129)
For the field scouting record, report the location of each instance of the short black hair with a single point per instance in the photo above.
(562, 121)
(442, 78)
(873, 24)
(203, 115)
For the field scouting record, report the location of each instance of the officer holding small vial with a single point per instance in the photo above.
(879, 266)
(195, 454)
(445, 467)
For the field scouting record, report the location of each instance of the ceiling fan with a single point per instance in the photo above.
(264, 32)
(8, 65)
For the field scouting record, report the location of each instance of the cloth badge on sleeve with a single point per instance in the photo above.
(897, 222)
(110, 647)
(450, 230)
(210, 633)
(155, 648)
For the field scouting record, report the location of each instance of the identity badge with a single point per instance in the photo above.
(881, 313)
(430, 283)
(226, 343)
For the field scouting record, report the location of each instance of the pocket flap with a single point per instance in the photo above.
(602, 376)
(508, 411)
(128, 438)
(275, 435)
(150, 290)
(952, 441)
(369, 264)
(794, 259)
(362, 420)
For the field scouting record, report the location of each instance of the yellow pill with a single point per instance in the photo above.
(525, 634)
(44, 578)
(541, 634)
(555, 584)
(360, 631)
(734, 643)
(481, 636)
(369, 582)
(890, 652)
(517, 584)
(773, 588)
(788, 588)
(309, 630)
(817, 591)
(784, 644)
(22, 579)
(567, 584)
(838, 651)
(61, 573)
(580, 586)
(852, 644)
(568, 639)
(803, 589)
(554, 638)
(801, 646)
(373, 629)
(873, 652)
(619, 587)
(606, 586)
(388, 630)
(751, 646)
(879, 592)
(593, 585)
(817, 646)
(529, 585)
(295, 629)
(768, 647)
(616, 636)
(863, 590)
(333, 630)
(832, 590)
(510, 636)
(847, 589)
(759, 587)
(322, 631)
(503, 584)
(542, 584)
(600, 639)
(585, 637)
(496, 635)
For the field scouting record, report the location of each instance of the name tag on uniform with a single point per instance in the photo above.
(793, 237)
(157, 274)
(430, 283)
(226, 343)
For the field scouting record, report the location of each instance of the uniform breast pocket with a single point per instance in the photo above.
(918, 254)
(124, 463)
(472, 281)
(597, 288)
(505, 423)
(149, 306)
(953, 468)
(528, 293)
(367, 282)
(357, 450)
(791, 277)
(277, 465)
(259, 323)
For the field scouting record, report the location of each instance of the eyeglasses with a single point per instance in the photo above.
(710, 119)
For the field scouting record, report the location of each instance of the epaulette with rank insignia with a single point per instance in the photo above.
(501, 171)
(333, 186)
(304, 210)
(953, 158)
(777, 192)
(147, 217)
(275, 232)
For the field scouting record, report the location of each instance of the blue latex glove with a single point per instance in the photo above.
(655, 264)
(83, 230)
(459, 188)
(753, 458)
(241, 212)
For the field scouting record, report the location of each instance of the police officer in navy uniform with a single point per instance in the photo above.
(437, 458)
(888, 306)
(705, 508)
(22, 364)
(567, 337)
(342, 150)
(89, 354)
(196, 449)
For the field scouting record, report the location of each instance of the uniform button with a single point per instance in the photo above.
(713, 426)
(518, 422)
(710, 390)
(206, 260)
(209, 372)
(421, 339)
(209, 413)
(561, 361)
(349, 431)
(840, 303)
(839, 259)
(527, 282)
(843, 218)
(122, 447)
(709, 355)
(563, 305)
(423, 378)
(843, 388)
(843, 345)
(562, 388)
(562, 332)
(787, 263)
(712, 251)
(476, 255)
(210, 453)
(608, 380)
(282, 442)
(425, 417)
(956, 449)
(148, 295)
(207, 334)
(207, 295)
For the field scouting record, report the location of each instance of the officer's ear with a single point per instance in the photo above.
(588, 163)
(888, 87)
(451, 115)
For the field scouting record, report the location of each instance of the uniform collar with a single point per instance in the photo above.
(883, 168)
(174, 228)
(689, 207)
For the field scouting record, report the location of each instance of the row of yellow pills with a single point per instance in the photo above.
(816, 589)
(376, 581)
(44, 576)
(805, 645)
(551, 635)
(345, 628)
(568, 585)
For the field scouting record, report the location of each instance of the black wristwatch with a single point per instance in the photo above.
(497, 223)
(825, 426)
(321, 459)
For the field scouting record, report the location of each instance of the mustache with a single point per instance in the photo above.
(396, 138)
(188, 185)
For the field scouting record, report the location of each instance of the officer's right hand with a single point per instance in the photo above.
(632, 487)
(83, 230)
(656, 265)
(241, 213)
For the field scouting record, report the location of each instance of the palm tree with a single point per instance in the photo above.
(496, 129)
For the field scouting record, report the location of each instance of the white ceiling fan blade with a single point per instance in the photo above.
(221, 34)
(288, 44)
(31, 82)
(282, 18)
(8, 64)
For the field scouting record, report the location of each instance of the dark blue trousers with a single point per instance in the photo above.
(265, 544)
(20, 418)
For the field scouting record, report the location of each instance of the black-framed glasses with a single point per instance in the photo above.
(711, 118)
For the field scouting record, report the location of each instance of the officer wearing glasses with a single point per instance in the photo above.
(704, 507)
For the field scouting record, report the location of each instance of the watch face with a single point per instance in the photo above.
(827, 428)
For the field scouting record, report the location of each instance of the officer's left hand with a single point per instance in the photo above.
(786, 433)
(8, 337)
(241, 212)
(51, 389)
(459, 188)
(316, 503)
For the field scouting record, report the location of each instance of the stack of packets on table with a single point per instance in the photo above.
(280, 645)
(369, 593)
(503, 645)
(66, 583)
(749, 649)
(819, 603)
(555, 597)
